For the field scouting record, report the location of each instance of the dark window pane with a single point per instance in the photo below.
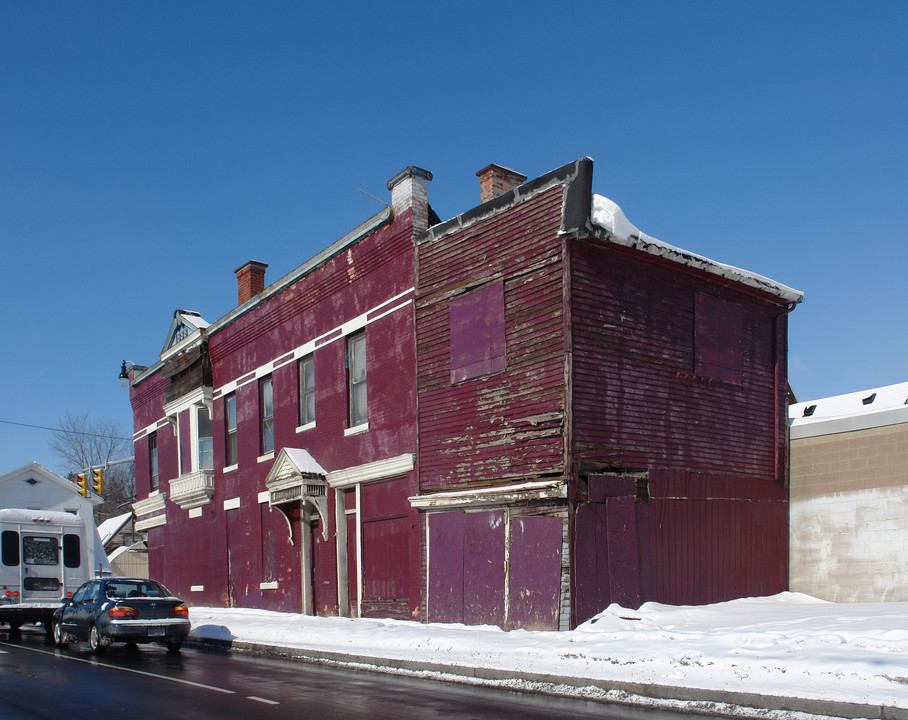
(72, 551)
(10, 550)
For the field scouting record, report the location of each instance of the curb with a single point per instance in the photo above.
(757, 701)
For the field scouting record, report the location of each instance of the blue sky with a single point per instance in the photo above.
(149, 149)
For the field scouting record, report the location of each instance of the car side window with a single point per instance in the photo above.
(79, 595)
(93, 593)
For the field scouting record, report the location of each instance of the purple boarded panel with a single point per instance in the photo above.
(445, 601)
(477, 333)
(623, 552)
(645, 551)
(386, 558)
(606, 486)
(534, 579)
(483, 568)
(591, 573)
(717, 340)
(384, 499)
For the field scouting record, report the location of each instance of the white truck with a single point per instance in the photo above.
(43, 559)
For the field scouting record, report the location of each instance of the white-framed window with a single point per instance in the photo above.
(153, 460)
(230, 458)
(205, 446)
(307, 390)
(356, 379)
(190, 416)
(266, 412)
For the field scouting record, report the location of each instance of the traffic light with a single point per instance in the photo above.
(98, 484)
(82, 482)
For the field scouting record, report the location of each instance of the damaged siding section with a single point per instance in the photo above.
(485, 428)
(491, 379)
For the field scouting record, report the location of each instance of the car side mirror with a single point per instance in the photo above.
(66, 601)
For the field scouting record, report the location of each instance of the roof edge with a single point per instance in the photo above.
(577, 175)
(355, 235)
(609, 219)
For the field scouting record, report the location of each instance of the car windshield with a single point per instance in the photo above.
(135, 588)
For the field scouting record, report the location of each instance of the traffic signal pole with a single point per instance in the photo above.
(96, 472)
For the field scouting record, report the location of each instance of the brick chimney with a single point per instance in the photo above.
(495, 180)
(410, 190)
(250, 280)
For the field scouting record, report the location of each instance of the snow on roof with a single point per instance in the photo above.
(192, 318)
(57, 517)
(853, 411)
(305, 463)
(108, 529)
(609, 216)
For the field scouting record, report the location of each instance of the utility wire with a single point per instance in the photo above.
(65, 432)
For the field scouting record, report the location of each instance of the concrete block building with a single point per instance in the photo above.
(849, 496)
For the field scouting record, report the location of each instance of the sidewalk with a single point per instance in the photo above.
(788, 652)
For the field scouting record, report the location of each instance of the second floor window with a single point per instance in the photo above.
(230, 418)
(153, 460)
(356, 379)
(206, 446)
(266, 395)
(307, 390)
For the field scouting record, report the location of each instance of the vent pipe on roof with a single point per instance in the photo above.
(250, 280)
(495, 180)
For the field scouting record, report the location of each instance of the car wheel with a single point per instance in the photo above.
(94, 640)
(174, 647)
(59, 636)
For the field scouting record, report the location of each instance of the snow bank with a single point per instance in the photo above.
(787, 645)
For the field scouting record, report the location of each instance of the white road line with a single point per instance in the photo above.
(123, 669)
(262, 700)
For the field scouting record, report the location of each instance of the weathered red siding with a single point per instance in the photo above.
(506, 424)
(717, 509)
(637, 401)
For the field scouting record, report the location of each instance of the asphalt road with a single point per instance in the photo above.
(40, 681)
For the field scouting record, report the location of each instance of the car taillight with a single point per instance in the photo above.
(121, 611)
(179, 611)
(14, 593)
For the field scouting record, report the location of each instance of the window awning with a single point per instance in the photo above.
(297, 476)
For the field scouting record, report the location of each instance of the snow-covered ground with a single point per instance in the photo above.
(789, 645)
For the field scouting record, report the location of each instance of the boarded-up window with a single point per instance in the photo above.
(385, 548)
(717, 338)
(477, 333)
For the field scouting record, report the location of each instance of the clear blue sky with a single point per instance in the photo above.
(148, 149)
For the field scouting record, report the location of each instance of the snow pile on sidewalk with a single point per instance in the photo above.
(788, 645)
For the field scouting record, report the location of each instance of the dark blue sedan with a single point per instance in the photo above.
(121, 609)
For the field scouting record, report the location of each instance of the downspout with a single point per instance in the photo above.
(776, 402)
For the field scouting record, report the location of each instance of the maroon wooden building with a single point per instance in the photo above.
(516, 417)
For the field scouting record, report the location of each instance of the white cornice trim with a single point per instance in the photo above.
(378, 470)
(544, 490)
(199, 396)
(152, 503)
(151, 522)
